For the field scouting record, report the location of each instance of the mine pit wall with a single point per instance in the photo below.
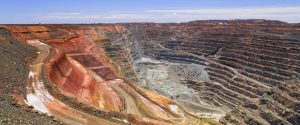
(71, 45)
(71, 100)
(265, 60)
(69, 71)
(69, 77)
(80, 83)
(275, 107)
(101, 55)
(226, 78)
(134, 52)
(140, 93)
(130, 49)
(243, 88)
(78, 58)
(75, 81)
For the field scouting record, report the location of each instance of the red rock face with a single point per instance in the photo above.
(71, 71)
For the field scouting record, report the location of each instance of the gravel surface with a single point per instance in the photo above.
(14, 59)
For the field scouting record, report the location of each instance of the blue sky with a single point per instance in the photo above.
(111, 11)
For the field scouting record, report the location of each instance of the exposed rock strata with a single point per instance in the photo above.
(244, 59)
(246, 71)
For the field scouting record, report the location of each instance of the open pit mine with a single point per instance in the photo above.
(212, 72)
